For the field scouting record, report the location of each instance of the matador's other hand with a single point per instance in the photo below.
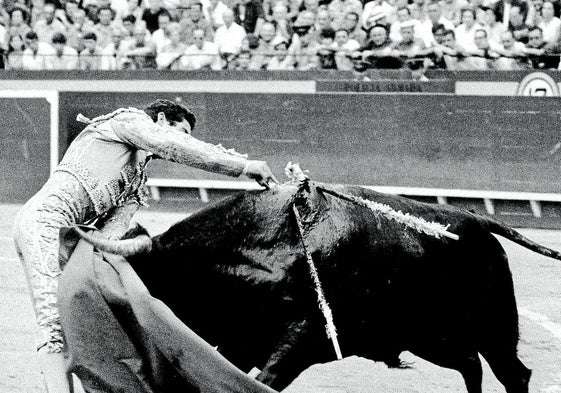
(260, 172)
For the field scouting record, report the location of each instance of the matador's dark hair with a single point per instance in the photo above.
(174, 112)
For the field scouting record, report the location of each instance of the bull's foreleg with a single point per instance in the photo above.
(293, 354)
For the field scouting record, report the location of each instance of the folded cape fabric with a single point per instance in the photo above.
(121, 339)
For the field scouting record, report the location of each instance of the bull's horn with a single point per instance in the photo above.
(128, 247)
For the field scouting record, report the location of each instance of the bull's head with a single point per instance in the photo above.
(141, 243)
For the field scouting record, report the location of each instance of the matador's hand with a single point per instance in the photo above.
(260, 172)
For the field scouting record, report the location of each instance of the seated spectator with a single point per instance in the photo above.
(264, 51)
(484, 56)
(47, 27)
(534, 13)
(280, 20)
(344, 48)
(104, 27)
(517, 25)
(242, 61)
(465, 32)
(17, 25)
(228, 38)
(322, 20)
(142, 51)
(150, 15)
(512, 53)
(403, 15)
(550, 25)
(378, 50)
(115, 52)
(202, 54)
(70, 7)
(14, 55)
(36, 12)
(494, 28)
(169, 57)
(129, 24)
(91, 7)
(539, 54)
(91, 55)
(35, 53)
(214, 12)
(409, 47)
(451, 51)
(64, 58)
(374, 11)
(326, 52)
(135, 9)
(310, 5)
(160, 37)
(351, 23)
(76, 30)
(339, 9)
(194, 20)
(304, 49)
(434, 18)
(281, 60)
(451, 10)
(503, 9)
(249, 14)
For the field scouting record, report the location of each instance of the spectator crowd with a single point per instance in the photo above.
(280, 34)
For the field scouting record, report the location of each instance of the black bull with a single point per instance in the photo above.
(236, 273)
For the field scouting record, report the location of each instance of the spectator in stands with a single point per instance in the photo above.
(512, 53)
(377, 51)
(214, 12)
(135, 9)
(249, 14)
(169, 57)
(35, 53)
(160, 37)
(409, 47)
(281, 60)
(265, 50)
(14, 55)
(201, 54)
(79, 26)
(452, 53)
(326, 52)
(70, 8)
(374, 11)
(115, 52)
(49, 25)
(104, 27)
(434, 17)
(403, 15)
(281, 21)
(194, 20)
(517, 25)
(534, 13)
(322, 20)
(451, 10)
(503, 10)
(65, 57)
(483, 57)
(242, 61)
(339, 9)
(418, 10)
(550, 25)
(36, 12)
(91, 55)
(142, 51)
(228, 37)
(129, 24)
(465, 32)
(352, 25)
(310, 5)
(17, 25)
(150, 15)
(304, 48)
(344, 48)
(494, 28)
(539, 54)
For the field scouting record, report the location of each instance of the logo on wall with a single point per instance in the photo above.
(538, 84)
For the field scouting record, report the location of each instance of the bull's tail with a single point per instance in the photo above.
(500, 228)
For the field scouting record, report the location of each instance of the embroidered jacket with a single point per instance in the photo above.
(109, 157)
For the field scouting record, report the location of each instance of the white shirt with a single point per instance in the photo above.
(195, 58)
(229, 39)
(550, 29)
(466, 38)
(216, 14)
(36, 61)
(68, 60)
(160, 40)
(395, 30)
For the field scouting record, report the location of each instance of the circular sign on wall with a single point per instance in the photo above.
(538, 84)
